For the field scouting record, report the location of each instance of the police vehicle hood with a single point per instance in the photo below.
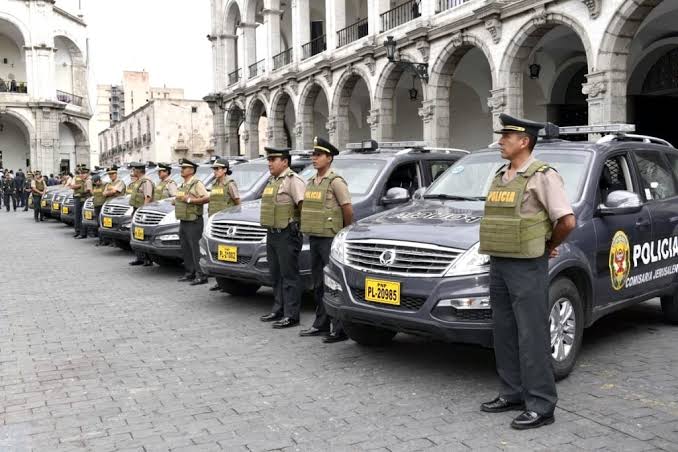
(246, 211)
(453, 224)
(119, 201)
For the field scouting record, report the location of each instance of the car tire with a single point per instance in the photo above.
(670, 308)
(237, 288)
(564, 292)
(368, 335)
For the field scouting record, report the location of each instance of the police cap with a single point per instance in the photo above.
(186, 163)
(137, 165)
(165, 167)
(509, 124)
(277, 152)
(112, 169)
(322, 145)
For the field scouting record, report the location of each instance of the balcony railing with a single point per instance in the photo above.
(13, 86)
(352, 33)
(442, 5)
(69, 98)
(282, 59)
(314, 47)
(400, 14)
(234, 76)
(257, 68)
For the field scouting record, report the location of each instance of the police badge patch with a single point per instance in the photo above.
(620, 261)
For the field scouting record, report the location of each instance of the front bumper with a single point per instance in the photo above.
(120, 229)
(252, 266)
(89, 223)
(152, 243)
(419, 312)
(68, 218)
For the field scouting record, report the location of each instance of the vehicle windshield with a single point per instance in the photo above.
(359, 174)
(471, 177)
(247, 174)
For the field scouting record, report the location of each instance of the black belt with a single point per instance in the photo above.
(280, 230)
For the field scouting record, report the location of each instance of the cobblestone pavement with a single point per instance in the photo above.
(96, 355)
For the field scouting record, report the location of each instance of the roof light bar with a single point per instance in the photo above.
(597, 128)
(402, 144)
(367, 145)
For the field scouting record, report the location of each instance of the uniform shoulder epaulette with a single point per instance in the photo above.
(545, 168)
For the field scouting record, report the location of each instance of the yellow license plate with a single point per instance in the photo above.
(88, 215)
(55, 206)
(43, 203)
(108, 222)
(227, 253)
(139, 233)
(64, 210)
(378, 291)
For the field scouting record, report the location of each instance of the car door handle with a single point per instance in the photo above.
(642, 223)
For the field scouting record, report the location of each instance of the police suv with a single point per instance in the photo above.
(416, 269)
(379, 176)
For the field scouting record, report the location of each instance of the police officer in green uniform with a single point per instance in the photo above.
(527, 215)
(114, 189)
(38, 188)
(141, 193)
(224, 192)
(166, 188)
(189, 201)
(82, 188)
(98, 199)
(281, 205)
(326, 210)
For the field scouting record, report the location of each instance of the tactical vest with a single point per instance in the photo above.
(39, 185)
(138, 198)
(273, 214)
(317, 219)
(504, 231)
(79, 192)
(98, 197)
(161, 191)
(220, 198)
(126, 190)
(183, 210)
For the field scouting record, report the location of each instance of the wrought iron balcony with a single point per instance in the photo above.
(442, 5)
(282, 59)
(352, 33)
(234, 77)
(69, 98)
(257, 68)
(314, 47)
(400, 14)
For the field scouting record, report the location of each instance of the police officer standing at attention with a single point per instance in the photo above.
(327, 209)
(281, 205)
(166, 188)
(113, 189)
(82, 187)
(189, 201)
(98, 200)
(38, 187)
(224, 192)
(527, 215)
(141, 193)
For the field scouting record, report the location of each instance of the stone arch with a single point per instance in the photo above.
(312, 120)
(15, 29)
(442, 79)
(521, 47)
(234, 121)
(338, 126)
(282, 118)
(14, 73)
(79, 153)
(70, 71)
(233, 43)
(18, 144)
(255, 139)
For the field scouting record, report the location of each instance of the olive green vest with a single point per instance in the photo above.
(220, 198)
(137, 199)
(161, 192)
(317, 219)
(183, 210)
(39, 185)
(79, 192)
(126, 190)
(273, 214)
(504, 231)
(98, 197)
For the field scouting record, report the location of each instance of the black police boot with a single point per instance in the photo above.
(335, 336)
(532, 419)
(313, 331)
(270, 317)
(500, 404)
(285, 322)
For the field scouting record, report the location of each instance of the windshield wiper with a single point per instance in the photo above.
(454, 197)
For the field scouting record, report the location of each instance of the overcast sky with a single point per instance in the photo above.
(167, 38)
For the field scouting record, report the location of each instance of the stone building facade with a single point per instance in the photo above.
(44, 104)
(320, 68)
(163, 130)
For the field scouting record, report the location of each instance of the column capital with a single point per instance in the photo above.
(272, 12)
(331, 124)
(373, 119)
(497, 101)
(427, 111)
(596, 85)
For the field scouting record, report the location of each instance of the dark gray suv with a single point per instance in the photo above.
(416, 269)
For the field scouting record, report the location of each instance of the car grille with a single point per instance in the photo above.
(400, 258)
(237, 232)
(89, 205)
(407, 303)
(114, 210)
(145, 217)
(473, 315)
(69, 202)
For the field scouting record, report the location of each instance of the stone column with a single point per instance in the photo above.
(333, 22)
(218, 63)
(497, 104)
(427, 113)
(272, 24)
(250, 48)
(245, 138)
(374, 9)
(332, 132)
(374, 120)
(301, 26)
(231, 54)
(219, 126)
(606, 96)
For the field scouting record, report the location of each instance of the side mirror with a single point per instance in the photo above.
(395, 195)
(620, 202)
(419, 194)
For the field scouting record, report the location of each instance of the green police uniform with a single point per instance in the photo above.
(191, 224)
(220, 196)
(37, 187)
(164, 189)
(80, 194)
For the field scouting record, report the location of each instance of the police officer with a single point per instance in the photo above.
(98, 200)
(26, 190)
(326, 210)
(82, 187)
(527, 215)
(9, 191)
(115, 188)
(141, 193)
(189, 201)
(281, 205)
(38, 189)
(166, 188)
(224, 192)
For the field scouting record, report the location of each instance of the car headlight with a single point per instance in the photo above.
(470, 263)
(170, 218)
(338, 250)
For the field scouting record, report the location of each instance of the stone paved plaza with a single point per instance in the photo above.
(97, 355)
